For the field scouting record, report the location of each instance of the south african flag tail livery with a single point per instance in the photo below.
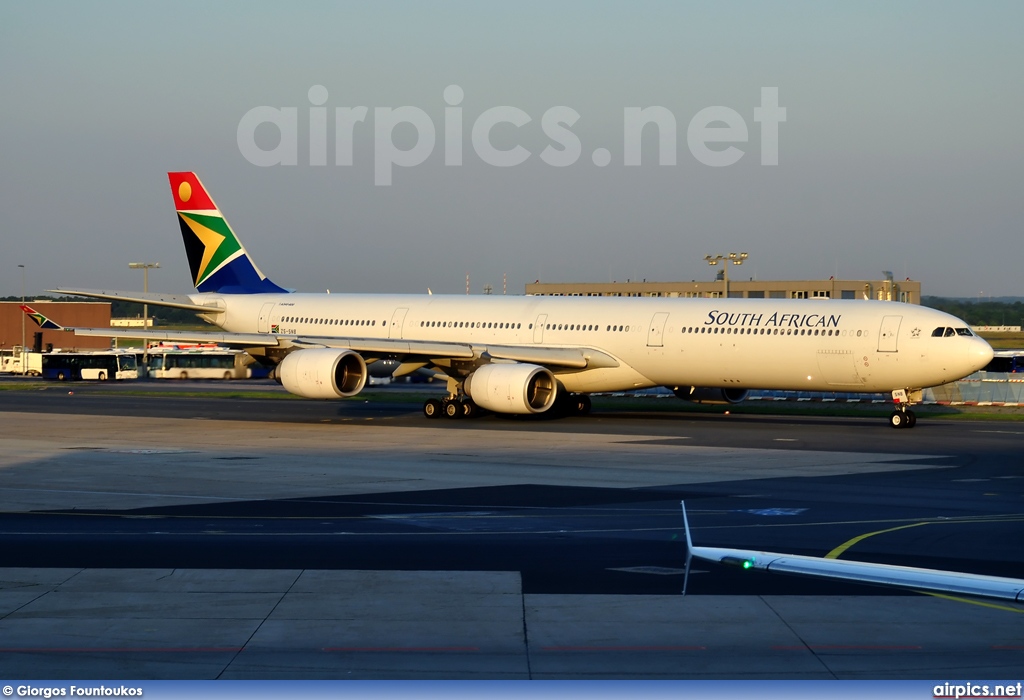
(42, 321)
(217, 259)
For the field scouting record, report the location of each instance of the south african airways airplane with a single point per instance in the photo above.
(538, 354)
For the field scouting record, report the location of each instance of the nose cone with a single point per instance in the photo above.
(979, 354)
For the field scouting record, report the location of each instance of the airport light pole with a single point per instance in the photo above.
(23, 358)
(145, 267)
(734, 258)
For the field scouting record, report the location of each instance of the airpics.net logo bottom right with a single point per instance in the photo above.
(968, 691)
(718, 125)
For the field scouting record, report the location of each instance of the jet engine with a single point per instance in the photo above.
(517, 388)
(322, 373)
(703, 394)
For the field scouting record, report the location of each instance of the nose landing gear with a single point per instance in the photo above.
(902, 417)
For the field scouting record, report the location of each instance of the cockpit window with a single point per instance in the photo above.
(951, 332)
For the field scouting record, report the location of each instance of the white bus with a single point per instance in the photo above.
(99, 365)
(198, 364)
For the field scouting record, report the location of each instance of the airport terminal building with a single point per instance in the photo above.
(84, 314)
(908, 291)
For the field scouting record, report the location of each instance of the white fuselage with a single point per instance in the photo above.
(816, 345)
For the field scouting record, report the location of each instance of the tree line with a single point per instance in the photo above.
(980, 312)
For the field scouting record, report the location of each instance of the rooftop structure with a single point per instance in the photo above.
(887, 289)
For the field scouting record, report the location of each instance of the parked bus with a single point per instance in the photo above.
(100, 365)
(1009, 361)
(166, 363)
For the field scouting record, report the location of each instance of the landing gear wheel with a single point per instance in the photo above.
(902, 419)
(581, 404)
(469, 409)
(432, 408)
(452, 409)
(898, 420)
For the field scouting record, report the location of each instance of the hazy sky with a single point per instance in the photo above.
(902, 149)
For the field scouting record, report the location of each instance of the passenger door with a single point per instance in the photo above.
(264, 323)
(397, 322)
(656, 334)
(538, 328)
(889, 333)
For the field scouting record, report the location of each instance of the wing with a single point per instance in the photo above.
(573, 358)
(408, 350)
(934, 580)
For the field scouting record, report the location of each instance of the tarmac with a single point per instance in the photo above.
(274, 623)
(281, 624)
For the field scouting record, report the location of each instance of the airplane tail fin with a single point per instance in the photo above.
(41, 320)
(217, 259)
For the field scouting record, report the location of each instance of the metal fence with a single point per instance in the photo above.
(980, 388)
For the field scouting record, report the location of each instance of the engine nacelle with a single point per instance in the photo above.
(323, 373)
(703, 394)
(511, 388)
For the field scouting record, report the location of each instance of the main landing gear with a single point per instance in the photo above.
(902, 417)
(450, 407)
(572, 405)
(461, 406)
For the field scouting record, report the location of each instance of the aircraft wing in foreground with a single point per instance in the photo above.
(913, 578)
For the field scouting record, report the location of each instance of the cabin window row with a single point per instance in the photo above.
(765, 331)
(573, 327)
(469, 324)
(330, 321)
(581, 327)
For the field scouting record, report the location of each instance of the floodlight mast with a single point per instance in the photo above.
(145, 267)
(734, 258)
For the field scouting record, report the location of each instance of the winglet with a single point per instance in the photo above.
(686, 527)
(41, 320)
(689, 547)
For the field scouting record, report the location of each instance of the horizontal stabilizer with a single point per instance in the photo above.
(239, 339)
(172, 301)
